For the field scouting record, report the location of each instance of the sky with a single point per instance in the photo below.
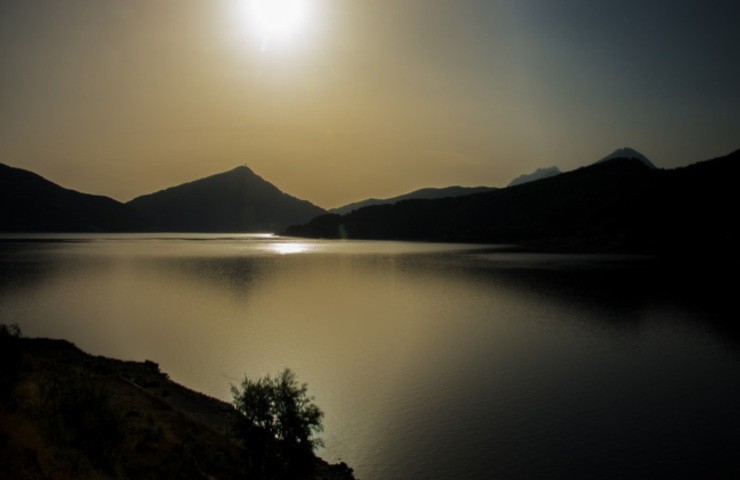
(364, 98)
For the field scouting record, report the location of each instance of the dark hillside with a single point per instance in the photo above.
(30, 203)
(66, 414)
(235, 201)
(617, 205)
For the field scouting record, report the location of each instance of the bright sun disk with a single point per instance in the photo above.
(278, 19)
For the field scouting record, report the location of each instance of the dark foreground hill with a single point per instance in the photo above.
(622, 204)
(30, 203)
(235, 201)
(66, 414)
(424, 193)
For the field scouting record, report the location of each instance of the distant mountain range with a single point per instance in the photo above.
(620, 204)
(538, 174)
(235, 201)
(424, 193)
(30, 203)
(542, 173)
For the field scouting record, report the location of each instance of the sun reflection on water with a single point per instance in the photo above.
(288, 248)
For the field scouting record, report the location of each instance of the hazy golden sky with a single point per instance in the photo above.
(371, 98)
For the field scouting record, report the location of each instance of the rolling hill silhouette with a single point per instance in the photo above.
(424, 193)
(234, 201)
(621, 204)
(30, 203)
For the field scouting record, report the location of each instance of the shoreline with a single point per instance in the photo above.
(150, 405)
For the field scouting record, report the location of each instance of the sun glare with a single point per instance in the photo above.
(278, 20)
(289, 248)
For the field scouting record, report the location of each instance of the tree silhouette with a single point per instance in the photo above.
(277, 423)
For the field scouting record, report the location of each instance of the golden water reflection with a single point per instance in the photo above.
(289, 248)
(427, 359)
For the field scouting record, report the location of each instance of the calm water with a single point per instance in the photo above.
(430, 361)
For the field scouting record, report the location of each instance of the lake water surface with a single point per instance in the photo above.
(431, 361)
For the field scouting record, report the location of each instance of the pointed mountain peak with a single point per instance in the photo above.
(240, 173)
(627, 152)
(237, 200)
(242, 168)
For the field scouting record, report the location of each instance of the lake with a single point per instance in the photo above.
(431, 361)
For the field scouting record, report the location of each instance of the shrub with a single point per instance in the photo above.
(277, 423)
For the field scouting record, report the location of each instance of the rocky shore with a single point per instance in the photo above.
(67, 414)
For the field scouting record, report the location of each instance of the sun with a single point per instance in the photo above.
(278, 20)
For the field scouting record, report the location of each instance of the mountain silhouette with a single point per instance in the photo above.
(627, 152)
(235, 201)
(620, 205)
(30, 203)
(538, 174)
(424, 193)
